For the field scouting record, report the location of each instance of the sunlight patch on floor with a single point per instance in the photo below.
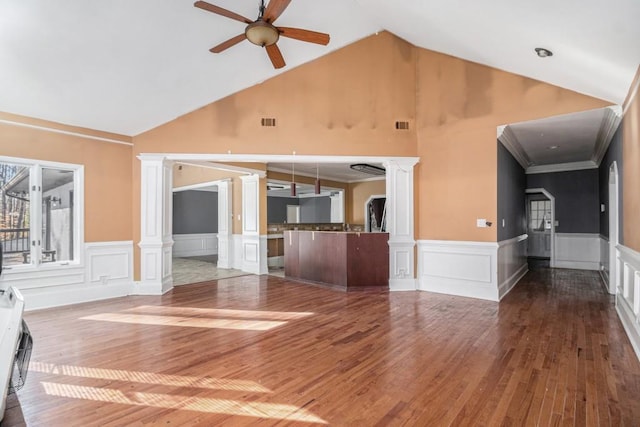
(218, 312)
(149, 377)
(218, 406)
(192, 322)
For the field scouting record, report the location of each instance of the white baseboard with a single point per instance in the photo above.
(407, 284)
(186, 245)
(628, 295)
(466, 269)
(577, 251)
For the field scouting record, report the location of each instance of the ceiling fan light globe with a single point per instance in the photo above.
(262, 33)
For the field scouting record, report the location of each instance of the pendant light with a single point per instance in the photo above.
(293, 180)
(318, 187)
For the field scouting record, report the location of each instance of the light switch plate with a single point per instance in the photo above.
(481, 222)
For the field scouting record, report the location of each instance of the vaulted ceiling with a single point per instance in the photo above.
(127, 66)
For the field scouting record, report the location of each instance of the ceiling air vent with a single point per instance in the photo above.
(367, 168)
(267, 121)
(402, 125)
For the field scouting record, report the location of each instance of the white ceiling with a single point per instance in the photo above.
(127, 66)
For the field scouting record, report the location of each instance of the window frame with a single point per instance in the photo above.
(35, 211)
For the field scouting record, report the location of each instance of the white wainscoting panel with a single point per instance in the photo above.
(185, 245)
(604, 259)
(237, 250)
(512, 263)
(578, 250)
(466, 269)
(628, 294)
(106, 273)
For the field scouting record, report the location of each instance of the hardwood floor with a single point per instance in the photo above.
(266, 351)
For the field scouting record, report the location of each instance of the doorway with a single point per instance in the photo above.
(540, 209)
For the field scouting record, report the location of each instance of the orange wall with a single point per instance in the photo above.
(358, 194)
(347, 102)
(631, 177)
(107, 193)
(459, 106)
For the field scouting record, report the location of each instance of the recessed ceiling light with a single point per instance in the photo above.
(543, 53)
(552, 147)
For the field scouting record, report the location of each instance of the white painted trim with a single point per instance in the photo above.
(224, 167)
(614, 224)
(562, 167)
(107, 273)
(65, 132)
(196, 244)
(466, 269)
(512, 263)
(275, 158)
(511, 143)
(613, 117)
(628, 295)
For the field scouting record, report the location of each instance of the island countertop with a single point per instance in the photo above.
(346, 260)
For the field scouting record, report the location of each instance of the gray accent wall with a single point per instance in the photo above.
(277, 208)
(577, 198)
(512, 183)
(315, 209)
(195, 212)
(614, 153)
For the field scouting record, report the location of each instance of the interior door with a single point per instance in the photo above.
(539, 226)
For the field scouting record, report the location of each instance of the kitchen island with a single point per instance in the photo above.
(349, 261)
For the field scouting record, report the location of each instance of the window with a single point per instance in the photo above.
(540, 215)
(39, 212)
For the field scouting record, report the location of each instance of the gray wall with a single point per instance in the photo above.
(577, 198)
(512, 183)
(315, 209)
(277, 209)
(614, 153)
(195, 212)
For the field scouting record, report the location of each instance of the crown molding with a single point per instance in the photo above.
(561, 167)
(609, 126)
(511, 143)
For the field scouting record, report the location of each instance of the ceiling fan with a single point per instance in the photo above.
(262, 32)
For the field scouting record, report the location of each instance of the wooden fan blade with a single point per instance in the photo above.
(304, 35)
(226, 45)
(275, 56)
(274, 9)
(220, 11)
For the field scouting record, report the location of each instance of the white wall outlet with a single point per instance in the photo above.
(481, 222)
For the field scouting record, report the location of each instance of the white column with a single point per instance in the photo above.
(399, 219)
(253, 253)
(156, 208)
(225, 223)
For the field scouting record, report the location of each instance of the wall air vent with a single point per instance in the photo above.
(402, 125)
(268, 121)
(370, 169)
